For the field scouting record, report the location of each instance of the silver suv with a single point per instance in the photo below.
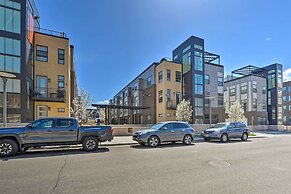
(226, 131)
(171, 131)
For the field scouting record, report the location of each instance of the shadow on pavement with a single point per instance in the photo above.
(42, 153)
(229, 141)
(162, 146)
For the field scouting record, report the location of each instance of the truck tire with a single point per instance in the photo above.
(90, 144)
(8, 147)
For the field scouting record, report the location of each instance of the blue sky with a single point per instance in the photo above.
(117, 39)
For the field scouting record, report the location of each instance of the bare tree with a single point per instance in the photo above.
(184, 111)
(236, 112)
(81, 107)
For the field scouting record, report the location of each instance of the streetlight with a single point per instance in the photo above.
(210, 108)
(5, 76)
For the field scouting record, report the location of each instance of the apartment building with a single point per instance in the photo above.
(151, 97)
(202, 81)
(272, 75)
(23, 45)
(287, 103)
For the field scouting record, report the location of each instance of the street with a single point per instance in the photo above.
(260, 165)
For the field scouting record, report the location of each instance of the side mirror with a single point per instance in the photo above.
(164, 128)
(29, 126)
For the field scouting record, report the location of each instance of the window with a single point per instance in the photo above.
(178, 76)
(198, 63)
(244, 89)
(273, 113)
(61, 81)
(284, 89)
(136, 86)
(199, 89)
(255, 106)
(168, 74)
(9, 46)
(169, 115)
(244, 104)
(161, 115)
(42, 53)
(254, 88)
(284, 98)
(186, 60)
(10, 18)
(264, 90)
(161, 96)
(199, 111)
(269, 98)
(271, 81)
(61, 110)
(149, 81)
(9, 64)
(207, 79)
(64, 123)
(220, 81)
(13, 100)
(232, 91)
(207, 102)
(178, 98)
(198, 79)
(11, 4)
(220, 100)
(187, 49)
(198, 102)
(61, 56)
(160, 76)
(168, 95)
(13, 86)
(198, 46)
(262, 120)
(264, 105)
(198, 54)
(43, 123)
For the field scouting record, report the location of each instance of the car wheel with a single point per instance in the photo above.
(90, 144)
(244, 137)
(8, 147)
(206, 139)
(187, 140)
(224, 138)
(153, 141)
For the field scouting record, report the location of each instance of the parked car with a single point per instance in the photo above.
(171, 131)
(52, 131)
(226, 131)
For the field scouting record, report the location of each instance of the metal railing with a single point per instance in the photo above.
(171, 104)
(51, 32)
(50, 94)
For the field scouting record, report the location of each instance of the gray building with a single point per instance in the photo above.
(287, 103)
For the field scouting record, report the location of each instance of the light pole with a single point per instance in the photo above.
(5, 76)
(210, 108)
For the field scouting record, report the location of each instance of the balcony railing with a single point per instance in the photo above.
(172, 105)
(51, 32)
(49, 94)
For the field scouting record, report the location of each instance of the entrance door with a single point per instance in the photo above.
(41, 112)
(41, 86)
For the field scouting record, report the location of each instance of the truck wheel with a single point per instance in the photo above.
(90, 144)
(8, 147)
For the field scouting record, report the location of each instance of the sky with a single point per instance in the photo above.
(115, 40)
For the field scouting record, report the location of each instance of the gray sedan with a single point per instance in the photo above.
(226, 131)
(171, 131)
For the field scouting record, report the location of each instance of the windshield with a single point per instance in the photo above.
(219, 125)
(157, 126)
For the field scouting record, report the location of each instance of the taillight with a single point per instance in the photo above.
(111, 130)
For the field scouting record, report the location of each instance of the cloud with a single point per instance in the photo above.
(103, 102)
(287, 75)
(269, 38)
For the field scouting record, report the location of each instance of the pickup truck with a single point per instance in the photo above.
(52, 131)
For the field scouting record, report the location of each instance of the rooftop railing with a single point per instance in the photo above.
(51, 32)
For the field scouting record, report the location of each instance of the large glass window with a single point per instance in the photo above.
(61, 56)
(198, 89)
(220, 81)
(198, 63)
(42, 53)
(9, 64)
(244, 89)
(198, 101)
(271, 81)
(61, 81)
(199, 111)
(9, 46)
(186, 62)
(198, 79)
(9, 18)
(207, 79)
(198, 46)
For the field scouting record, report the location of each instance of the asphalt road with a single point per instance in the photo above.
(257, 166)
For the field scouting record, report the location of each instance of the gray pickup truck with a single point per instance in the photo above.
(52, 131)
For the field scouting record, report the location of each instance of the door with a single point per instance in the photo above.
(64, 131)
(39, 132)
(41, 112)
(166, 132)
(231, 130)
(179, 131)
(41, 86)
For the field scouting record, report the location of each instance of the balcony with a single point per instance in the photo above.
(49, 94)
(172, 105)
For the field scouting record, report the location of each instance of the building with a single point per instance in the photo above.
(287, 103)
(202, 81)
(19, 31)
(272, 74)
(151, 97)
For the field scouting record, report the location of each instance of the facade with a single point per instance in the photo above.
(200, 82)
(273, 76)
(19, 26)
(287, 103)
(156, 91)
(251, 92)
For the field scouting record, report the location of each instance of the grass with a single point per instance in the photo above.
(252, 135)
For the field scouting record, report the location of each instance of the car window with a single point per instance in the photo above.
(231, 126)
(45, 123)
(185, 126)
(169, 126)
(177, 126)
(63, 123)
